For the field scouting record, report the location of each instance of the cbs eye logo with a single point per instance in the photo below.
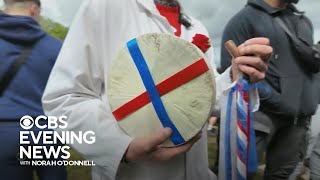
(26, 122)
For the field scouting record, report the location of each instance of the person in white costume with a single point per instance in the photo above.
(76, 89)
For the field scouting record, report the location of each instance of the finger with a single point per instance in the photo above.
(241, 46)
(252, 72)
(164, 154)
(252, 61)
(154, 141)
(258, 40)
(257, 50)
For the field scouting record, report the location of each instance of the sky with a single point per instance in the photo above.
(214, 14)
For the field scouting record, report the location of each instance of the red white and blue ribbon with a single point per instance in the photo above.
(240, 157)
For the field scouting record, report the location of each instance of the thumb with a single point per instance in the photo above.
(159, 138)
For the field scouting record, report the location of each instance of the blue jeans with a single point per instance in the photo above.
(10, 168)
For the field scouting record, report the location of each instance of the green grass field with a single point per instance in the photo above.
(78, 173)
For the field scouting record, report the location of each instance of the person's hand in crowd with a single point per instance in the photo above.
(255, 54)
(213, 120)
(149, 149)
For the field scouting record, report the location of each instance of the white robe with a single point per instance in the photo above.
(76, 88)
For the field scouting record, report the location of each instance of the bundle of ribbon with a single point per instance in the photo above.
(238, 139)
(158, 81)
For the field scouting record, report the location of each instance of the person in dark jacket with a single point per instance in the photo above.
(289, 95)
(22, 95)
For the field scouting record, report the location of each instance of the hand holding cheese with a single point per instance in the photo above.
(149, 149)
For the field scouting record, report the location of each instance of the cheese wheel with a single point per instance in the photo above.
(188, 106)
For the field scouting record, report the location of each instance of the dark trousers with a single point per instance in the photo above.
(10, 168)
(315, 161)
(285, 146)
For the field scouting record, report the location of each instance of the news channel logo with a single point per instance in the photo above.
(26, 122)
(51, 122)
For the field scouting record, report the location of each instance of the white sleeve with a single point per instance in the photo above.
(218, 78)
(223, 81)
(76, 89)
(224, 85)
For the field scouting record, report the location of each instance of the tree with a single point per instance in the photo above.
(53, 28)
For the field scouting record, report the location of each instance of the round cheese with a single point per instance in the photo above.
(170, 60)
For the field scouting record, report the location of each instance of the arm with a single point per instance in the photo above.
(76, 89)
(254, 65)
(223, 81)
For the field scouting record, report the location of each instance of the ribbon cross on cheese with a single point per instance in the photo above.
(162, 68)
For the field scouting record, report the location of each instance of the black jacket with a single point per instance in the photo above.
(289, 89)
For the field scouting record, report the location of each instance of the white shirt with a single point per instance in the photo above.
(76, 88)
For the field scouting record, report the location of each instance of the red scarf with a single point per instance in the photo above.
(172, 15)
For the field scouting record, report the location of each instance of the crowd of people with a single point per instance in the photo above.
(37, 77)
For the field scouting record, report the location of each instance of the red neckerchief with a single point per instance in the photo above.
(172, 15)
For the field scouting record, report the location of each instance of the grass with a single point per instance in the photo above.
(212, 147)
(76, 172)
